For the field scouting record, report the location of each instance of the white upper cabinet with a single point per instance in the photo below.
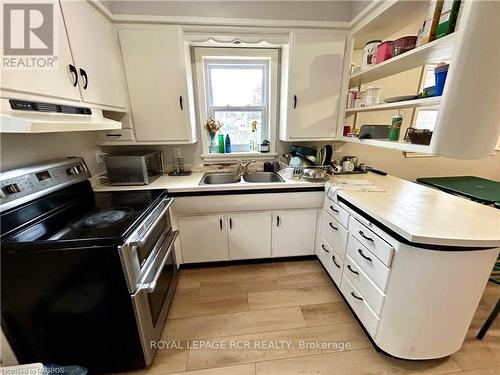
(57, 83)
(95, 49)
(158, 79)
(311, 78)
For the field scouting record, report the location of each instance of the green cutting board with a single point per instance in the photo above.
(476, 188)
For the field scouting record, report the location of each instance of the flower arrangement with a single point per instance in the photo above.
(212, 126)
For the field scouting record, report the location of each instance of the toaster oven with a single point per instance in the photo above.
(134, 167)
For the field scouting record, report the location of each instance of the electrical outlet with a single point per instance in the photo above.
(99, 156)
(177, 153)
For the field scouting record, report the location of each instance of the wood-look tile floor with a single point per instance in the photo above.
(286, 304)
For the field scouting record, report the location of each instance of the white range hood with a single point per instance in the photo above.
(52, 118)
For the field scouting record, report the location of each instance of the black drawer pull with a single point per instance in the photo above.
(113, 135)
(334, 210)
(363, 255)
(220, 224)
(294, 101)
(230, 223)
(333, 227)
(350, 269)
(355, 296)
(363, 235)
(334, 262)
(181, 103)
(324, 248)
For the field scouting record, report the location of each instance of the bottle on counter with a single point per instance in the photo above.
(221, 143)
(228, 144)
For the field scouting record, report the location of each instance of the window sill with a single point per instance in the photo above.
(239, 156)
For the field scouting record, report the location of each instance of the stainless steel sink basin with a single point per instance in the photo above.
(263, 177)
(218, 179)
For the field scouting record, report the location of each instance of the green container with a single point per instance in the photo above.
(395, 128)
(448, 18)
(221, 143)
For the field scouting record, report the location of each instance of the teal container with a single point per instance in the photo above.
(220, 139)
(228, 144)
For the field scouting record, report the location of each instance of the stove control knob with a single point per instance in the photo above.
(72, 171)
(11, 189)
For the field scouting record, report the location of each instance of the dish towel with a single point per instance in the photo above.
(333, 186)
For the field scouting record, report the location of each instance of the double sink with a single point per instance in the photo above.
(229, 178)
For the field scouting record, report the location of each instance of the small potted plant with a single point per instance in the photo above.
(212, 127)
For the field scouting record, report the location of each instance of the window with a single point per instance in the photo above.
(237, 87)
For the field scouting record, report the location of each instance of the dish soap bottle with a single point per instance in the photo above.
(228, 144)
(395, 127)
(221, 143)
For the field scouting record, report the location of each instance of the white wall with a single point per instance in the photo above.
(18, 150)
(280, 10)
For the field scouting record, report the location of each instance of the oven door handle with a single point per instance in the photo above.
(150, 287)
(142, 240)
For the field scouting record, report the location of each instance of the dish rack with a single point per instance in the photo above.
(297, 171)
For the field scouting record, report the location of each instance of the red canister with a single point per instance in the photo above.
(384, 51)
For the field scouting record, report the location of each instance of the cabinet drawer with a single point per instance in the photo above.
(115, 135)
(369, 263)
(324, 252)
(360, 307)
(337, 212)
(371, 241)
(333, 233)
(336, 267)
(358, 278)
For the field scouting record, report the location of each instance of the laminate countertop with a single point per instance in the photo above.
(424, 215)
(191, 184)
(418, 213)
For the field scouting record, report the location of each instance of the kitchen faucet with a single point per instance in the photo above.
(242, 169)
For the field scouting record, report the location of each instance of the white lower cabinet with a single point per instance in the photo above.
(293, 232)
(360, 280)
(360, 306)
(203, 238)
(249, 235)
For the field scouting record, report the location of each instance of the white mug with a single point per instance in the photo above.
(287, 173)
(348, 166)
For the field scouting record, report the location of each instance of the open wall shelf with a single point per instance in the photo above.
(433, 52)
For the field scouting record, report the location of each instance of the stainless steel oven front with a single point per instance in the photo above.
(154, 294)
(148, 259)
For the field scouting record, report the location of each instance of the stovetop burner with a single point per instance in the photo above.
(107, 217)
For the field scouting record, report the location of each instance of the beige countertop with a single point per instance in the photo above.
(418, 213)
(425, 215)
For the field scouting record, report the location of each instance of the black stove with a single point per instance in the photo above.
(86, 277)
(78, 214)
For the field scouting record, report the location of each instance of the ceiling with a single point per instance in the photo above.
(339, 10)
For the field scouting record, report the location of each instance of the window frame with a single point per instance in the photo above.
(227, 56)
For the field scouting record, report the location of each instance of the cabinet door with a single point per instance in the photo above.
(203, 238)
(53, 83)
(155, 67)
(294, 232)
(94, 44)
(249, 235)
(316, 75)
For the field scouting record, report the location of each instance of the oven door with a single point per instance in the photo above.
(138, 251)
(154, 295)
